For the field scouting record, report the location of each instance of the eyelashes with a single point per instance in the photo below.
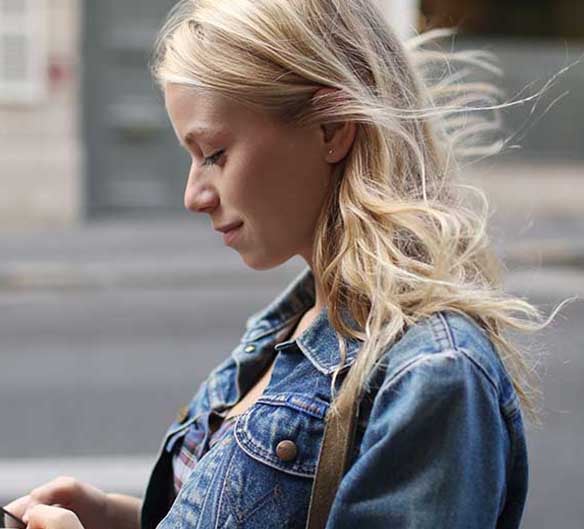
(213, 159)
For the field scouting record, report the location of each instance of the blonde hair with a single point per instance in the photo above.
(399, 237)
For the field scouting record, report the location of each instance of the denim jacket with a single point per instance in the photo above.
(439, 443)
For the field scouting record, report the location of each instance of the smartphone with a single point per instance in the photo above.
(21, 524)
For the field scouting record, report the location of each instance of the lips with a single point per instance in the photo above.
(230, 227)
(231, 235)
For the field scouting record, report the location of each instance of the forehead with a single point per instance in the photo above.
(197, 108)
(200, 114)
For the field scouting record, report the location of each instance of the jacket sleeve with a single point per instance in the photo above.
(434, 453)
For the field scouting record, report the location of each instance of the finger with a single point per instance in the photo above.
(49, 517)
(9, 519)
(59, 490)
(18, 506)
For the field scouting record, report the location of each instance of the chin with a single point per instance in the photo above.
(267, 263)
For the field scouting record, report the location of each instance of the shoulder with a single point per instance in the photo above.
(437, 438)
(449, 349)
(442, 385)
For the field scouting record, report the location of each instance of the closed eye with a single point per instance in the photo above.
(213, 159)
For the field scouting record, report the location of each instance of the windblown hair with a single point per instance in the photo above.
(400, 237)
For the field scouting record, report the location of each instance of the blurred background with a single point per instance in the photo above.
(105, 281)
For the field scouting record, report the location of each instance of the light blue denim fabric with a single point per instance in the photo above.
(440, 440)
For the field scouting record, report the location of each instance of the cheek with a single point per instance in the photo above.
(279, 188)
(259, 177)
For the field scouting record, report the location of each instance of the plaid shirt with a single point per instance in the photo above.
(193, 447)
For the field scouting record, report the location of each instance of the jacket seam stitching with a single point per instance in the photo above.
(512, 449)
(418, 359)
(478, 366)
(507, 419)
(204, 503)
(221, 495)
(447, 330)
(273, 402)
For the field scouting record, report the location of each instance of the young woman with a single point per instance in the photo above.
(314, 131)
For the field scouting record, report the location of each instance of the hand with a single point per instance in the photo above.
(88, 504)
(46, 517)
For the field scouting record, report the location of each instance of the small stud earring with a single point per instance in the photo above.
(331, 151)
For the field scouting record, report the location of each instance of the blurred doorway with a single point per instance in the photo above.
(134, 164)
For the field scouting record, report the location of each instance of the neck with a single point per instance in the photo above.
(319, 302)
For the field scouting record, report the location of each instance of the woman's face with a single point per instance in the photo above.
(248, 168)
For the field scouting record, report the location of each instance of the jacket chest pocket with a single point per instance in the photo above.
(271, 470)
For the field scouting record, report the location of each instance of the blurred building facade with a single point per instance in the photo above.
(40, 139)
(83, 132)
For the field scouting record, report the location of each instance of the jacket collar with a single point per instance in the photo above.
(318, 342)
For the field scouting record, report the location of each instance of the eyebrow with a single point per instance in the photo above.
(201, 131)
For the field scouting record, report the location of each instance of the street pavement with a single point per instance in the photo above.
(108, 328)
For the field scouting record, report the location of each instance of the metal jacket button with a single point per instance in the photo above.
(286, 450)
(250, 349)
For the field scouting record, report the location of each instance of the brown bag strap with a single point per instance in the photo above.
(335, 451)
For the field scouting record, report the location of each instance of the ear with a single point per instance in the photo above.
(338, 138)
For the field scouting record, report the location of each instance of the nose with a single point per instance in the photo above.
(199, 197)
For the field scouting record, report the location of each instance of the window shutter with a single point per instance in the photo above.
(23, 51)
